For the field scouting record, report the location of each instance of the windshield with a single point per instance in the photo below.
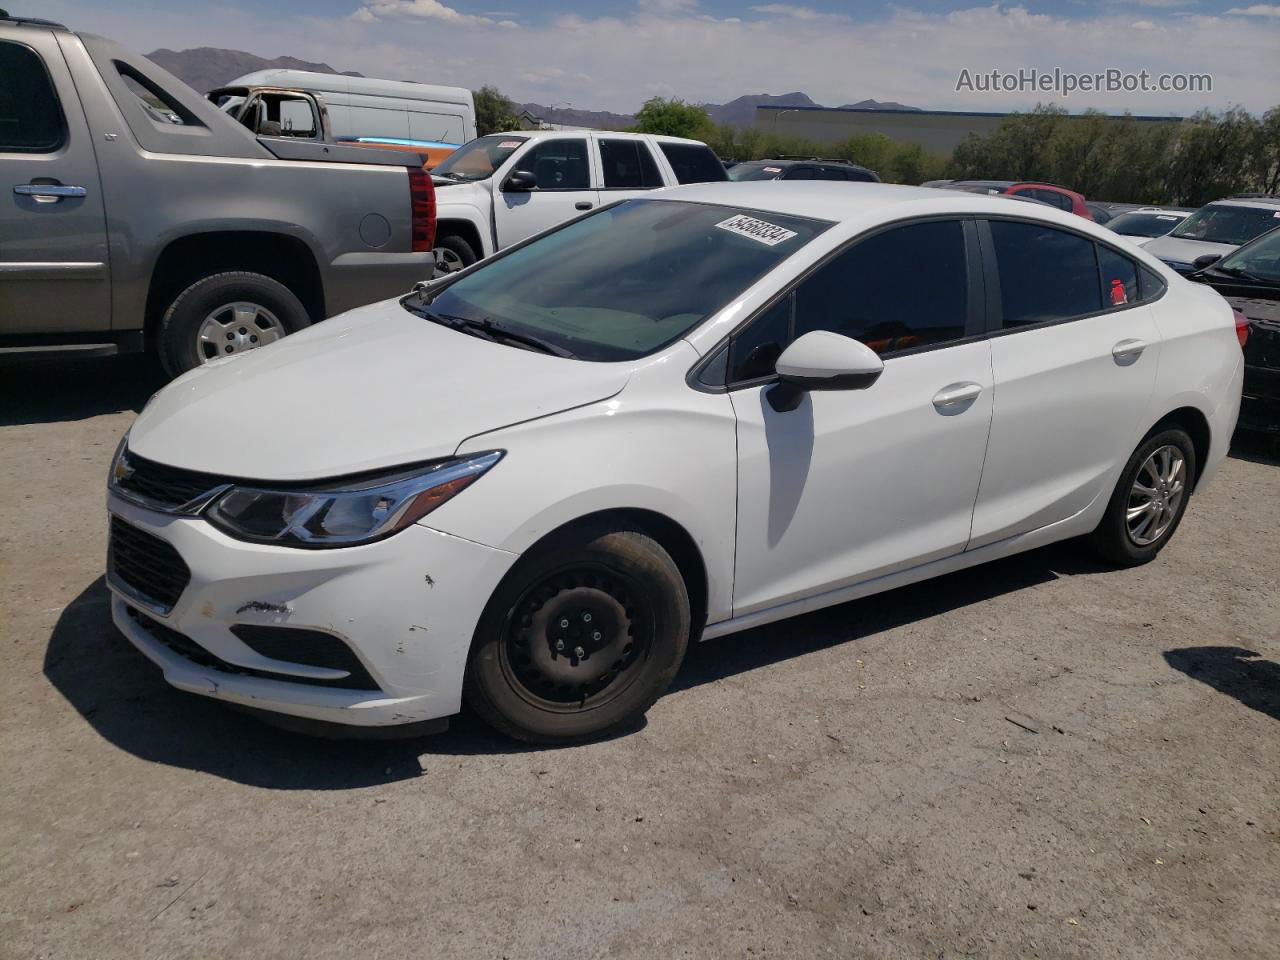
(1145, 224)
(1260, 259)
(479, 159)
(1219, 223)
(754, 171)
(625, 281)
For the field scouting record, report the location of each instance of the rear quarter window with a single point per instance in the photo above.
(694, 163)
(31, 118)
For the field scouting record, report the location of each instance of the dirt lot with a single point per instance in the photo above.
(1039, 758)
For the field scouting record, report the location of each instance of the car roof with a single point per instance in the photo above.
(1257, 203)
(611, 134)
(836, 202)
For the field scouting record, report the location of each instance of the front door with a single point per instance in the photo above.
(53, 236)
(856, 484)
(564, 189)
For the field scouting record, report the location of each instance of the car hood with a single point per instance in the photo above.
(1175, 250)
(376, 387)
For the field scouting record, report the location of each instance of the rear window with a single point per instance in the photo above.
(694, 163)
(755, 171)
(1144, 224)
(30, 117)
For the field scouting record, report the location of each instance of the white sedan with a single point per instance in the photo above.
(533, 482)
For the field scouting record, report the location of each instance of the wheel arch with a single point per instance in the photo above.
(192, 257)
(1196, 424)
(466, 229)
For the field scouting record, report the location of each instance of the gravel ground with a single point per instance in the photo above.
(1037, 758)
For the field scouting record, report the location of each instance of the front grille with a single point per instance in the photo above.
(188, 649)
(146, 565)
(165, 486)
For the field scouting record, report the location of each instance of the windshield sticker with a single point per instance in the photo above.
(508, 144)
(772, 169)
(770, 234)
(1276, 214)
(1165, 216)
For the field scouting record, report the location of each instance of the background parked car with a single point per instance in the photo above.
(802, 168)
(126, 229)
(1249, 279)
(500, 189)
(1146, 223)
(1215, 230)
(1101, 212)
(1049, 193)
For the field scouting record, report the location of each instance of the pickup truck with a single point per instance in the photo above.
(138, 215)
(499, 189)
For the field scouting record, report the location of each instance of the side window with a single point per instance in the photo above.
(558, 165)
(798, 173)
(1151, 282)
(30, 117)
(628, 164)
(906, 287)
(435, 127)
(1045, 274)
(1119, 278)
(832, 173)
(155, 104)
(754, 352)
(694, 163)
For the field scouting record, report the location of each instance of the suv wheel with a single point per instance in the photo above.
(453, 253)
(224, 315)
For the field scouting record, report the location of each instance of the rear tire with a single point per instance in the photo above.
(1149, 500)
(180, 345)
(580, 638)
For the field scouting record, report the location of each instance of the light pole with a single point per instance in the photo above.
(778, 113)
(556, 106)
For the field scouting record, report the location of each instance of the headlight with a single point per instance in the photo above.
(348, 514)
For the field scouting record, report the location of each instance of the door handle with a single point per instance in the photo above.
(1128, 351)
(582, 205)
(48, 192)
(957, 397)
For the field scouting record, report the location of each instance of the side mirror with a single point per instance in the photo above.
(1208, 259)
(822, 360)
(521, 181)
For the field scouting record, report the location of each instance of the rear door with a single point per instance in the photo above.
(563, 168)
(53, 238)
(1074, 352)
(627, 167)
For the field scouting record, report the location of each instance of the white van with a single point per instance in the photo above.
(398, 112)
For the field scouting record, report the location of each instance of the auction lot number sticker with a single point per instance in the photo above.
(761, 231)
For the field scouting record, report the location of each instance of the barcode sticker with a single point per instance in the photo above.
(761, 231)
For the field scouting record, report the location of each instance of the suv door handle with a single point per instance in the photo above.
(582, 205)
(1128, 351)
(957, 397)
(48, 192)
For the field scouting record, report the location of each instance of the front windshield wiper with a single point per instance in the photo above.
(488, 329)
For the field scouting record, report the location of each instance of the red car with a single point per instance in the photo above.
(1049, 193)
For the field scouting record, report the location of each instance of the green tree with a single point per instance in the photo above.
(674, 118)
(494, 111)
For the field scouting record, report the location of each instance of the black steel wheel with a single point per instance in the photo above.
(580, 638)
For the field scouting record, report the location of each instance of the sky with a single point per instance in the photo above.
(614, 54)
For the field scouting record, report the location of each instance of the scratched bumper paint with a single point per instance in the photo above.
(406, 605)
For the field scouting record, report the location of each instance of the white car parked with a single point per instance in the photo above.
(1144, 224)
(505, 187)
(533, 482)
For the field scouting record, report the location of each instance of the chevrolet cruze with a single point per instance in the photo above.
(534, 482)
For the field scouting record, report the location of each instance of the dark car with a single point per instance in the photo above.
(1249, 279)
(802, 168)
(1050, 193)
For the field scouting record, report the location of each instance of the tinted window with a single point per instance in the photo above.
(558, 165)
(693, 163)
(1152, 283)
(832, 173)
(798, 173)
(903, 288)
(628, 164)
(30, 118)
(754, 171)
(862, 176)
(1144, 224)
(754, 352)
(1119, 278)
(1219, 223)
(1045, 274)
(623, 281)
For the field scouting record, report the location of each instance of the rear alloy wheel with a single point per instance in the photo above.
(580, 638)
(1149, 500)
(225, 315)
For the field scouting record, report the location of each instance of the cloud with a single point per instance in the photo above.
(1257, 10)
(376, 10)
(795, 12)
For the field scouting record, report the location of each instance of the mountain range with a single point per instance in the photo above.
(205, 68)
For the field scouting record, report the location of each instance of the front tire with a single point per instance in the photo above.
(1149, 500)
(226, 314)
(453, 253)
(580, 638)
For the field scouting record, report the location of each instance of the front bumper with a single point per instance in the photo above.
(407, 607)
